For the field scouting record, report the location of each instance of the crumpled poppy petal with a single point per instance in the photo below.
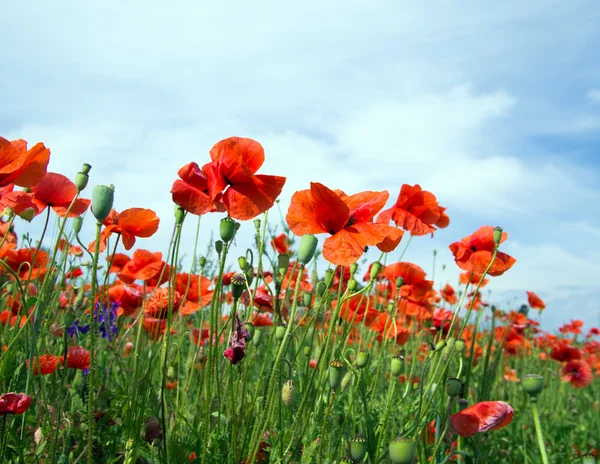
(191, 199)
(365, 205)
(247, 200)
(343, 248)
(140, 222)
(329, 209)
(249, 151)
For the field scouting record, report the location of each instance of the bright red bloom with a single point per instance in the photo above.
(280, 244)
(45, 364)
(157, 304)
(144, 266)
(20, 166)
(131, 223)
(14, 403)
(565, 353)
(349, 220)
(578, 372)
(535, 301)
(573, 327)
(482, 417)
(416, 211)
(129, 297)
(191, 192)
(449, 294)
(231, 175)
(117, 261)
(77, 358)
(28, 263)
(474, 253)
(19, 201)
(57, 191)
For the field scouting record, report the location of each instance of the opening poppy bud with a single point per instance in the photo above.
(402, 451)
(179, 215)
(202, 261)
(27, 214)
(77, 224)
(280, 332)
(257, 337)
(453, 387)
(396, 366)
(353, 268)
(243, 263)
(283, 262)
(287, 392)
(533, 385)
(307, 248)
(497, 235)
(227, 229)
(347, 380)
(375, 268)
(103, 197)
(257, 224)
(219, 246)
(362, 359)
(329, 273)
(238, 285)
(251, 329)
(321, 288)
(81, 181)
(399, 282)
(459, 347)
(352, 284)
(306, 299)
(358, 448)
(336, 373)
(440, 345)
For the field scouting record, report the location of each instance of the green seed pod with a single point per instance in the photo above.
(238, 285)
(440, 345)
(353, 268)
(79, 299)
(287, 392)
(307, 248)
(336, 373)
(345, 459)
(280, 331)
(219, 246)
(251, 329)
(81, 181)
(243, 263)
(347, 380)
(399, 282)
(453, 387)
(375, 268)
(306, 350)
(459, 347)
(358, 448)
(402, 451)
(307, 299)
(283, 262)
(179, 213)
(103, 197)
(227, 229)
(533, 385)
(77, 223)
(352, 283)
(257, 337)
(257, 224)
(396, 366)
(497, 235)
(362, 359)
(202, 261)
(588, 458)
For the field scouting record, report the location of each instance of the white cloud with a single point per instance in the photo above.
(594, 95)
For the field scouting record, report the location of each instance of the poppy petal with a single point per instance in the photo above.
(329, 209)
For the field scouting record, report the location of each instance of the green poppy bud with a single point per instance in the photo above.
(450, 342)
(307, 299)
(243, 263)
(219, 246)
(257, 224)
(77, 223)
(27, 214)
(396, 366)
(347, 380)
(362, 359)
(287, 392)
(307, 248)
(201, 261)
(257, 336)
(459, 346)
(375, 268)
(306, 350)
(358, 448)
(103, 197)
(171, 372)
(497, 235)
(227, 229)
(283, 262)
(321, 288)
(440, 345)
(329, 274)
(399, 282)
(402, 451)
(280, 331)
(533, 385)
(453, 387)
(352, 283)
(353, 268)
(250, 327)
(179, 215)
(336, 373)
(238, 285)
(81, 181)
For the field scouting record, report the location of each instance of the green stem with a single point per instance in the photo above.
(538, 432)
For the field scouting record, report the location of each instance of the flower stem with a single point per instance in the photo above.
(538, 432)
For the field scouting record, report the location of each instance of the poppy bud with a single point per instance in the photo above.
(358, 448)
(399, 282)
(307, 248)
(227, 229)
(280, 332)
(329, 273)
(321, 288)
(396, 366)
(238, 285)
(171, 372)
(251, 330)
(77, 223)
(390, 307)
(453, 387)
(533, 385)
(8, 211)
(362, 359)
(352, 284)
(524, 309)
(81, 181)
(375, 268)
(336, 372)
(450, 342)
(243, 263)
(257, 337)
(27, 214)
(347, 380)
(201, 261)
(440, 345)
(287, 392)
(353, 268)
(306, 350)
(257, 224)
(402, 451)
(219, 246)
(103, 197)
(307, 298)
(179, 215)
(201, 353)
(497, 235)
(283, 262)
(459, 346)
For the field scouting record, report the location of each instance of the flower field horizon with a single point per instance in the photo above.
(299, 348)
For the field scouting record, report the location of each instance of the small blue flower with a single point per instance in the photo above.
(107, 320)
(76, 329)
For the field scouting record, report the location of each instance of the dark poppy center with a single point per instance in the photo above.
(351, 222)
(227, 181)
(473, 249)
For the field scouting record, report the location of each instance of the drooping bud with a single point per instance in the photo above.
(336, 373)
(257, 337)
(243, 263)
(77, 224)
(280, 331)
(440, 345)
(227, 229)
(358, 448)
(307, 299)
(238, 285)
(179, 213)
(103, 197)
(375, 268)
(533, 385)
(402, 451)
(218, 246)
(497, 235)
(362, 359)
(352, 284)
(329, 274)
(287, 392)
(27, 214)
(347, 380)
(453, 387)
(283, 262)
(307, 248)
(306, 350)
(321, 288)
(353, 268)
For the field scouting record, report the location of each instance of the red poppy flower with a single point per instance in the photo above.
(194, 288)
(20, 166)
(535, 301)
(57, 191)
(232, 174)
(280, 244)
(144, 266)
(578, 372)
(449, 294)
(117, 262)
(261, 320)
(77, 358)
(45, 364)
(474, 253)
(472, 278)
(564, 353)
(574, 327)
(14, 403)
(158, 304)
(129, 297)
(20, 202)
(154, 327)
(482, 417)
(416, 211)
(191, 192)
(349, 220)
(28, 263)
(131, 223)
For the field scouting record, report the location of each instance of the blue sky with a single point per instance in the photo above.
(495, 108)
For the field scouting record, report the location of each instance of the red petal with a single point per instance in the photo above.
(329, 209)
(301, 217)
